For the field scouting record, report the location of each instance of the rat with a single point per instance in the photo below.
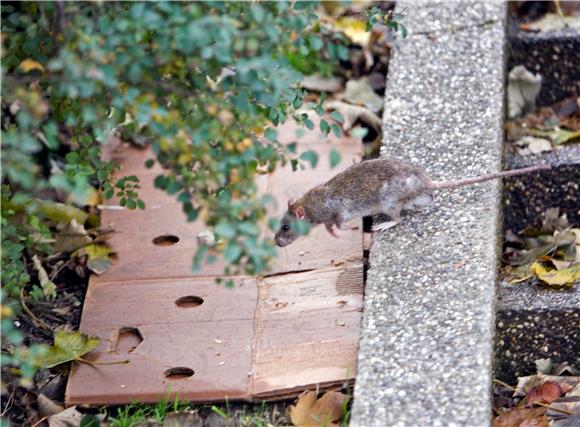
(372, 187)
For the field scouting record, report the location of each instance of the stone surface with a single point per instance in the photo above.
(426, 346)
(535, 321)
(528, 196)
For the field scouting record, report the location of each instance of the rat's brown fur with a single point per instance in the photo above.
(379, 186)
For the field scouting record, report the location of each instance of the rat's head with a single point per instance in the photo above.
(286, 234)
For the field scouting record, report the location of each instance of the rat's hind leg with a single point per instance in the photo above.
(419, 203)
(394, 212)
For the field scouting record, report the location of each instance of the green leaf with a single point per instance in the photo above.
(68, 346)
(190, 211)
(249, 228)
(324, 127)
(403, 29)
(309, 123)
(131, 204)
(337, 116)
(225, 229)
(141, 204)
(271, 134)
(316, 42)
(72, 157)
(336, 130)
(294, 165)
(311, 157)
(232, 252)
(149, 163)
(334, 158)
(62, 214)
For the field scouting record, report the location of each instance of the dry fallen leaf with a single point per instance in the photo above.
(48, 287)
(352, 113)
(47, 407)
(28, 65)
(523, 88)
(360, 92)
(318, 83)
(99, 257)
(525, 384)
(552, 22)
(515, 417)
(533, 145)
(68, 418)
(310, 411)
(565, 277)
(71, 238)
(354, 29)
(547, 393)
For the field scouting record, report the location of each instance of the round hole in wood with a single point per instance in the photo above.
(166, 240)
(189, 301)
(128, 340)
(178, 372)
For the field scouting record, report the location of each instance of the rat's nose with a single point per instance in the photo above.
(280, 242)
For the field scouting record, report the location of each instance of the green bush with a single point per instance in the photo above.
(204, 83)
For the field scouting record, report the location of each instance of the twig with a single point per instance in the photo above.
(33, 317)
(39, 421)
(559, 8)
(504, 384)
(547, 406)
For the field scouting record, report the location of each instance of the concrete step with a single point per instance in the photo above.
(426, 347)
(533, 321)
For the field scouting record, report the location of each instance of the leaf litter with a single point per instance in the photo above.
(551, 397)
(546, 128)
(550, 253)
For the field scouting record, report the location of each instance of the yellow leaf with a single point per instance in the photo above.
(28, 65)
(567, 276)
(310, 411)
(354, 29)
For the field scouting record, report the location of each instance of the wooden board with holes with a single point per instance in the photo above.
(182, 334)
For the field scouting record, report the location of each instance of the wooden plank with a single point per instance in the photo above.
(271, 336)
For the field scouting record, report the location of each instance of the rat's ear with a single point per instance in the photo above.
(299, 212)
(290, 203)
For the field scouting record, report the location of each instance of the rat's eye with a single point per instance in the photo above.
(285, 227)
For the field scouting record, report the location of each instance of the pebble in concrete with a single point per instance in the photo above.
(426, 347)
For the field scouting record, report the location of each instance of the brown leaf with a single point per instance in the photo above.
(515, 417)
(48, 407)
(68, 418)
(360, 92)
(72, 237)
(352, 113)
(310, 411)
(547, 393)
(525, 384)
(318, 83)
(536, 422)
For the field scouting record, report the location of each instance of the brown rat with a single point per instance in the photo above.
(379, 186)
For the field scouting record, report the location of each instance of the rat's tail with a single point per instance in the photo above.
(439, 185)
